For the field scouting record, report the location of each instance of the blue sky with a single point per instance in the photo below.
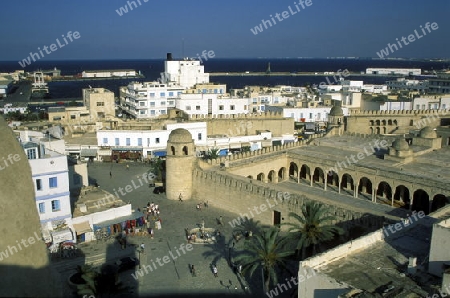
(327, 28)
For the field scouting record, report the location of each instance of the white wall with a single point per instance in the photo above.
(44, 169)
(439, 253)
(149, 136)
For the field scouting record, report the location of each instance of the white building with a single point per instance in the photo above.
(108, 73)
(50, 176)
(213, 104)
(305, 114)
(391, 71)
(396, 106)
(149, 100)
(146, 142)
(185, 73)
(431, 103)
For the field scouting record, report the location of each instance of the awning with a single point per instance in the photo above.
(128, 148)
(134, 215)
(159, 153)
(88, 152)
(82, 227)
(60, 236)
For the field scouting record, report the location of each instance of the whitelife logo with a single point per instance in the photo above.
(53, 47)
(411, 38)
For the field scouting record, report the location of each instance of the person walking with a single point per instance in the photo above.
(215, 271)
(193, 271)
(110, 174)
(128, 167)
(143, 247)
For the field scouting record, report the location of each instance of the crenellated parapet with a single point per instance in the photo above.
(445, 112)
(265, 115)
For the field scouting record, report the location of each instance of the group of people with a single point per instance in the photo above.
(213, 268)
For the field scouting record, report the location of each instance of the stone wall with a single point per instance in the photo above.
(242, 196)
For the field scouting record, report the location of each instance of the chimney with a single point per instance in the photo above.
(169, 57)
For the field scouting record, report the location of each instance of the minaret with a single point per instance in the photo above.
(179, 164)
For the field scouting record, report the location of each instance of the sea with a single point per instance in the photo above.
(152, 68)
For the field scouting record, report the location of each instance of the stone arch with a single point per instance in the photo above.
(384, 191)
(293, 170)
(305, 172)
(383, 122)
(347, 182)
(319, 175)
(172, 150)
(250, 176)
(333, 178)
(421, 201)
(377, 122)
(371, 122)
(395, 122)
(282, 174)
(185, 150)
(371, 130)
(365, 186)
(377, 130)
(260, 177)
(389, 122)
(439, 201)
(401, 197)
(384, 130)
(271, 177)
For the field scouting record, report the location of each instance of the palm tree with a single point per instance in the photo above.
(265, 250)
(313, 227)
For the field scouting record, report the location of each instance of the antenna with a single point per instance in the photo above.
(182, 48)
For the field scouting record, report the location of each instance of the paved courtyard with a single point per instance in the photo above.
(171, 276)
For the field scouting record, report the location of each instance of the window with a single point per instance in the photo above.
(31, 153)
(41, 208)
(53, 182)
(163, 103)
(152, 94)
(139, 141)
(128, 141)
(142, 112)
(417, 107)
(142, 103)
(38, 184)
(443, 106)
(148, 142)
(56, 206)
(152, 103)
(100, 104)
(221, 91)
(199, 136)
(188, 108)
(152, 112)
(105, 140)
(162, 94)
(56, 118)
(170, 94)
(117, 141)
(157, 140)
(221, 108)
(245, 107)
(205, 91)
(163, 112)
(310, 116)
(232, 107)
(179, 93)
(215, 91)
(197, 108)
(170, 102)
(210, 90)
(73, 116)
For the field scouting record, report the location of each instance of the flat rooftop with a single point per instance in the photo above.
(386, 263)
(433, 165)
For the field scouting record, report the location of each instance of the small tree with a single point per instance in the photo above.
(212, 153)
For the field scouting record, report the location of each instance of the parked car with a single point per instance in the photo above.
(127, 263)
